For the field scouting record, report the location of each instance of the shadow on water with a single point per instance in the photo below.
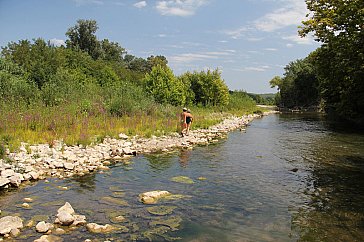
(335, 185)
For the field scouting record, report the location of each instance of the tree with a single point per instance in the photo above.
(209, 88)
(164, 86)
(276, 82)
(339, 61)
(82, 37)
(157, 60)
(299, 86)
(112, 51)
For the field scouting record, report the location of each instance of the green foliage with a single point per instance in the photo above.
(339, 61)
(14, 87)
(240, 100)
(299, 87)
(264, 99)
(82, 37)
(127, 99)
(164, 86)
(111, 51)
(208, 87)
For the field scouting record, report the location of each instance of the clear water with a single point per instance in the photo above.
(287, 178)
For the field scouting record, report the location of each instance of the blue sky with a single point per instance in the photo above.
(250, 41)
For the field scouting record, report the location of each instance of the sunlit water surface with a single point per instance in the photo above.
(287, 178)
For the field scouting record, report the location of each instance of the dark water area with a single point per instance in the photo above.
(289, 177)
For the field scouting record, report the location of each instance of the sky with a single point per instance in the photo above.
(249, 41)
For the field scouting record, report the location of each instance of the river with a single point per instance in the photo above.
(288, 177)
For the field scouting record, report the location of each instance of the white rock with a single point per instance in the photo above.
(7, 173)
(66, 208)
(123, 136)
(49, 238)
(65, 218)
(34, 174)
(4, 181)
(8, 223)
(68, 165)
(43, 227)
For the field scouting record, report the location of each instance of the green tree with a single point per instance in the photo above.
(339, 61)
(112, 51)
(164, 86)
(209, 88)
(299, 87)
(157, 60)
(82, 37)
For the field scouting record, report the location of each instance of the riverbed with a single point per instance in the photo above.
(288, 177)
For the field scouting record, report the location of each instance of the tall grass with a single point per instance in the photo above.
(41, 124)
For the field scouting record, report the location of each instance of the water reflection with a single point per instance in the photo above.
(160, 162)
(184, 156)
(85, 182)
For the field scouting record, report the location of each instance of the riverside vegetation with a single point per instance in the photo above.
(91, 89)
(331, 77)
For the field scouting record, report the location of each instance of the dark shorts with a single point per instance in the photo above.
(188, 120)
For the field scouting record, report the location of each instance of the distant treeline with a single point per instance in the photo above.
(331, 77)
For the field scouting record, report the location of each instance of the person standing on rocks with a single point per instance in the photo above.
(189, 119)
(183, 122)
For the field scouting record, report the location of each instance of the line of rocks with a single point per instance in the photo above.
(66, 218)
(34, 162)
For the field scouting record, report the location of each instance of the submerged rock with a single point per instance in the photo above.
(96, 228)
(49, 238)
(173, 222)
(8, 223)
(182, 179)
(153, 196)
(114, 200)
(161, 210)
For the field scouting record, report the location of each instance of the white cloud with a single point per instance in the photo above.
(162, 35)
(253, 68)
(298, 40)
(236, 33)
(84, 2)
(180, 8)
(290, 15)
(57, 42)
(140, 4)
(189, 57)
(271, 49)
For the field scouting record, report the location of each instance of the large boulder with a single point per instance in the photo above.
(152, 196)
(8, 223)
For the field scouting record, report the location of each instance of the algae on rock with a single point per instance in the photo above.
(182, 179)
(161, 210)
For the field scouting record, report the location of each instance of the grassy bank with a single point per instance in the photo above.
(45, 124)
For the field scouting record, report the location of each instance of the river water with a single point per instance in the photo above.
(287, 178)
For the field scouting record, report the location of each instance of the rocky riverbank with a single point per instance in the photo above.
(34, 162)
